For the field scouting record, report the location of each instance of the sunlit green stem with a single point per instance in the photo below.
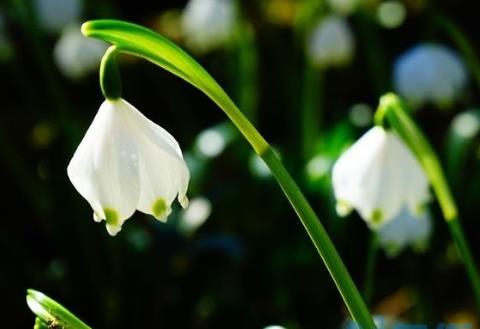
(139, 41)
(50, 314)
(393, 110)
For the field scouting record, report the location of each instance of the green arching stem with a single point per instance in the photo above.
(139, 41)
(392, 109)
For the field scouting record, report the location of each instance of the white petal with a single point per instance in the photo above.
(102, 168)
(163, 172)
(404, 230)
(366, 177)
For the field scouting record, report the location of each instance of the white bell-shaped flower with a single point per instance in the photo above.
(377, 176)
(430, 73)
(331, 42)
(77, 55)
(406, 229)
(208, 24)
(126, 162)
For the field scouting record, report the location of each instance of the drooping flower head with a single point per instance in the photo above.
(430, 73)
(126, 162)
(208, 24)
(377, 176)
(331, 42)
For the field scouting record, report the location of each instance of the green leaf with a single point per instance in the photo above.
(51, 314)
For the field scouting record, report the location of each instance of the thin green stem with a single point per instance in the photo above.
(350, 294)
(138, 41)
(370, 265)
(393, 109)
(311, 108)
(110, 81)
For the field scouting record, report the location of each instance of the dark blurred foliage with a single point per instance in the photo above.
(251, 264)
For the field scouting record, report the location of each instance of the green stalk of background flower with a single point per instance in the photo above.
(394, 110)
(312, 95)
(142, 42)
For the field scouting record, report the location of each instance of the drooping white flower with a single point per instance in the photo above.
(331, 42)
(77, 55)
(54, 15)
(377, 176)
(208, 24)
(126, 162)
(430, 73)
(406, 229)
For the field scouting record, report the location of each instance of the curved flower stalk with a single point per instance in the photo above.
(378, 176)
(393, 110)
(139, 41)
(430, 73)
(126, 162)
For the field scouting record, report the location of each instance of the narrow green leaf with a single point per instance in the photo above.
(51, 313)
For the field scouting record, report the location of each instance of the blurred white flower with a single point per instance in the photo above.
(377, 176)
(406, 229)
(331, 43)
(54, 15)
(430, 73)
(77, 55)
(198, 211)
(208, 24)
(466, 124)
(343, 7)
(127, 162)
(391, 14)
(212, 141)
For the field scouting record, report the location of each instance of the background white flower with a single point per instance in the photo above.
(77, 55)
(331, 42)
(54, 15)
(127, 162)
(208, 24)
(343, 7)
(406, 229)
(430, 73)
(377, 176)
